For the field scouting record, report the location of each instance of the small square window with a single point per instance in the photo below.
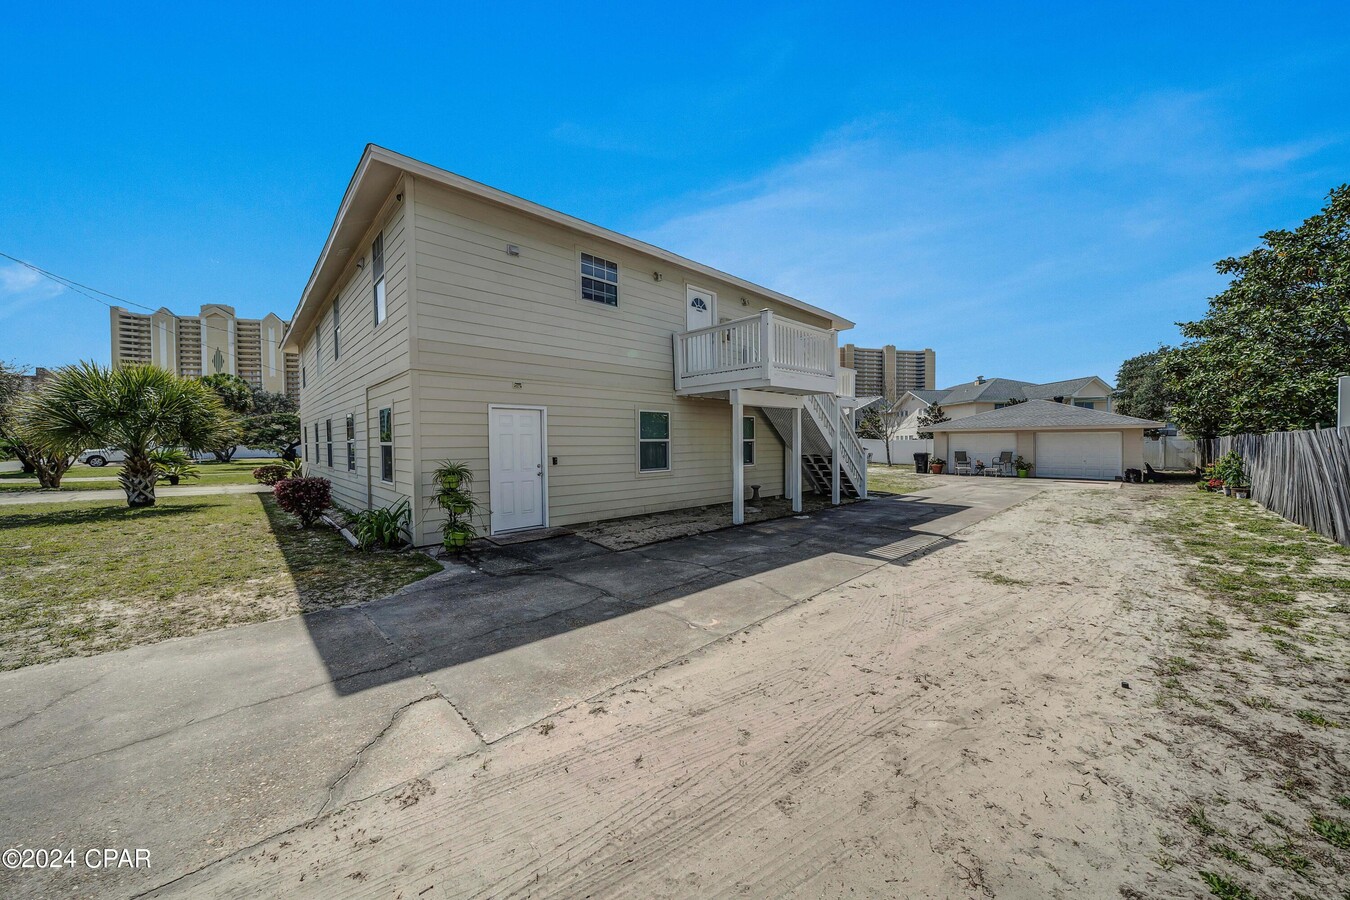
(599, 280)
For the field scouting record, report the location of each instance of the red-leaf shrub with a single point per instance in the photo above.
(304, 498)
(270, 474)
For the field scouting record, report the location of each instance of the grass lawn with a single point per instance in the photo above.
(84, 578)
(236, 471)
(1260, 677)
(896, 479)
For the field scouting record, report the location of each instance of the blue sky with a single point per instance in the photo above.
(1035, 191)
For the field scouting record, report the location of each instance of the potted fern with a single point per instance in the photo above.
(454, 497)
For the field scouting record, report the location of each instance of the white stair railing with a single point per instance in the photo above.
(824, 411)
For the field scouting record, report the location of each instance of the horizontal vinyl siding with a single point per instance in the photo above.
(483, 311)
(594, 437)
(373, 359)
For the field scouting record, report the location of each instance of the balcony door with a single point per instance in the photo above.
(698, 308)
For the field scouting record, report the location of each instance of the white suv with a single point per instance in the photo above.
(101, 457)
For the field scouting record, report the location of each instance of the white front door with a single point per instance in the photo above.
(516, 444)
(698, 308)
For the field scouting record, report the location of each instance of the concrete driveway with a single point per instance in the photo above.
(197, 748)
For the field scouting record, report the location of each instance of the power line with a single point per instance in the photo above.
(84, 289)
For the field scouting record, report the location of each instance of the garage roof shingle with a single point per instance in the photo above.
(1043, 414)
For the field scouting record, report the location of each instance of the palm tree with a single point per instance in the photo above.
(133, 408)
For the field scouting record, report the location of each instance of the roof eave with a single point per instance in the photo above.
(373, 154)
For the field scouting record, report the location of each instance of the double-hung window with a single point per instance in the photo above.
(387, 445)
(599, 280)
(351, 442)
(316, 443)
(318, 350)
(748, 440)
(328, 424)
(653, 441)
(304, 445)
(377, 275)
(337, 330)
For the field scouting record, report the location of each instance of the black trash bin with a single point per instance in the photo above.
(920, 463)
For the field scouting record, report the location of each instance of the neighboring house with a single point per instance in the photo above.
(986, 394)
(1059, 439)
(214, 341)
(581, 374)
(889, 372)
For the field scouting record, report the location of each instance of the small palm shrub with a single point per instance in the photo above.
(271, 474)
(172, 464)
(381, 527)
(304, 498)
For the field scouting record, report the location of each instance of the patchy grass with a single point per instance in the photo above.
(1257, 676)
(897, 479)
(84, 578)
(84, 478)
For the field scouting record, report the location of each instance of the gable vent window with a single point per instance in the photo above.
(599, 280)
(377, 273)
(337, 330)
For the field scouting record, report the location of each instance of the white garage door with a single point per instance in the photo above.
(1078, 454)
(982, 446)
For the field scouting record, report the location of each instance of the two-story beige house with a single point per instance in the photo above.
(582, 374)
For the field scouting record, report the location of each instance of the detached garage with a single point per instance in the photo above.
(1059, 440)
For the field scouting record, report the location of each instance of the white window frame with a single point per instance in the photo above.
(581, 276)
(754, 432)
(304, 445)
(337, 330)
(318, 350)
(377, 277)
(328, 437)
(669, 441)
(351, 442)
(379, 437)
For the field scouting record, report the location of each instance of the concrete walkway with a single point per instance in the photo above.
(22, 498)
(200, 747)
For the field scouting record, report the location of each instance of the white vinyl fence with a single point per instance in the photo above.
(902, 449)
(1171, 454)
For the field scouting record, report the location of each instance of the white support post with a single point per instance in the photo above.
(838, 449)
(795, 468)
(737, 460)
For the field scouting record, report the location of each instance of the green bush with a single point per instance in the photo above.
(382, 527)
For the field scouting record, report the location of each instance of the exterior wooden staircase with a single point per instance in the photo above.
(819, 414)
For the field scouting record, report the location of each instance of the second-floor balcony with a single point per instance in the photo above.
(763, 352)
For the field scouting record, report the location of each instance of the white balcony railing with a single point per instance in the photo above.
(761, 351)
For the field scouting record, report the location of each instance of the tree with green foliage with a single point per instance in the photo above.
(931, 416)
(277, 431)
(1266, 354)
(237, 396)
(132, 408)
(1141, 389)
(48, 466)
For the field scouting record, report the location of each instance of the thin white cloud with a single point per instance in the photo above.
(21, 288)
(1022, 255)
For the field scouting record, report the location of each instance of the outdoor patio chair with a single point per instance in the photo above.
(962, 462)
(1003, 466)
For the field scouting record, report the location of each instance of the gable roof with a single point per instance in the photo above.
(379, 171)
(1043, 414)
(1000, 390)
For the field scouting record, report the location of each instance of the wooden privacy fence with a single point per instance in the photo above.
(1301, 475)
